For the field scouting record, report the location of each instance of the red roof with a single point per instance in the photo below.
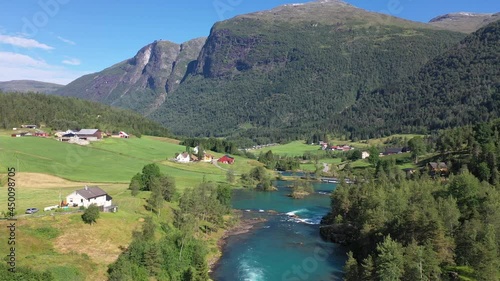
(226, 159)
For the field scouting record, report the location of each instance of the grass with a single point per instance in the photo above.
(109, 161)
(62, 243)
(295, 148)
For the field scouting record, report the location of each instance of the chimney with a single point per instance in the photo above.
(86, 188)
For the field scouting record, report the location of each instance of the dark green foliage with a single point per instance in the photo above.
(91, 214)
(431, 225)
(62, 113)
(179, 254)
(230, 177)
(213, 144)
(224, 195)
(288, 78)
(459, 87)
(148, 229)
(351, 268)
(149, 173)
(390, 260)
(278, 162)
(136, 184)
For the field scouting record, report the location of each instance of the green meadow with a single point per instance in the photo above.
(62, 244)
(109, 161)
(295, 148)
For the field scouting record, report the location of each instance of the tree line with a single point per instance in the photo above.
(172, 248)
(63, 113)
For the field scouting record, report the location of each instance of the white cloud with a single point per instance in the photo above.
(15, 66)
(72, 61)
(23, 42)
(20, 60)
(67, 41)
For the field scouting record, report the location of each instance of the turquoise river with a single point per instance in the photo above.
(287, 246)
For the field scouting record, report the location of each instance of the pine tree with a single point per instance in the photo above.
(390, 262)
(351, 268)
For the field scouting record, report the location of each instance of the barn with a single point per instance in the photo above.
(89, 134)
(226, 159)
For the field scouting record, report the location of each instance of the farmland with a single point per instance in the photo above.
(108, 161)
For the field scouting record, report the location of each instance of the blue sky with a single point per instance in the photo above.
(60, 40)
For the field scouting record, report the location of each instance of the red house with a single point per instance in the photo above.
(41, 134)
(226, 159)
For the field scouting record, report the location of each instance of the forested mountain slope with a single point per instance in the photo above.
(459, 87)
(70, 113)
(285, 70)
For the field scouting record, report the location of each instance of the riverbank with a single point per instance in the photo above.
(244, 225)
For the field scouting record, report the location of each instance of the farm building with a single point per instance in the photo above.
(88, 196)
(183, 157)
(207, 158)
(29, 126)
(89, 134)
(226, 159)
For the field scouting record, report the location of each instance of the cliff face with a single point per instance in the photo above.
(142, 82)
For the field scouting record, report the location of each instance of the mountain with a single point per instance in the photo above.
(70, 113)
(282, 72)
(275, 74)
(459, 87)
(142, 82)
(464, 22)
(24, 86)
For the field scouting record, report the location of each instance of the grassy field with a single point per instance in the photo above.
(48, 170)
(62, 243)
(298, 148)
(295, 148)
(108, 161)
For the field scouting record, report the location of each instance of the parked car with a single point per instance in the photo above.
(31, 210)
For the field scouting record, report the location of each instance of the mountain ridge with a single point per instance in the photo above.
(244, 78)
(29, 86)
(464, 21)
(154, 71)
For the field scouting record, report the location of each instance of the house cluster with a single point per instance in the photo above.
(186, 157)
(260, 146)
(342, 147)
(37, 133)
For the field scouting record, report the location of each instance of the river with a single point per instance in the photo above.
(284, 247)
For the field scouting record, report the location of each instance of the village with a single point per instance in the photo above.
(81, 199)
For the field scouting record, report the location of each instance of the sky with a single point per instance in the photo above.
(60, 40)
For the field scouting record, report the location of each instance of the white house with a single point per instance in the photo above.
(183, 158)
(122, 134)
(365, 154)
(89, 195)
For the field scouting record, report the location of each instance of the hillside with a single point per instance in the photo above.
(142, 82)
(277, 74)
(64, 113)
(464, 22)
(459, 87)
(24, 86)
